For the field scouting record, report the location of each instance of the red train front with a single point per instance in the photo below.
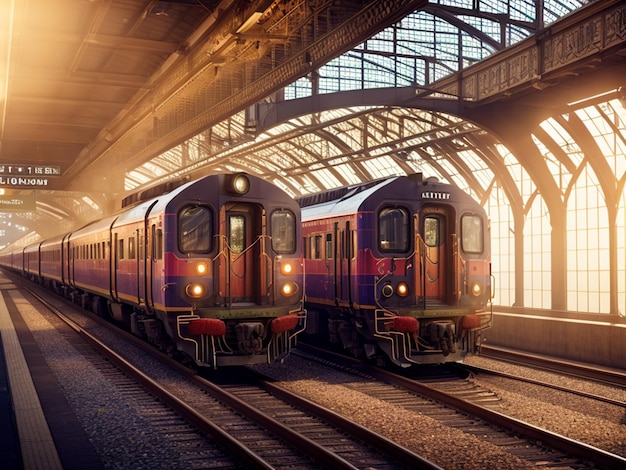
(397, 268)
(211, 271)
(237, 261)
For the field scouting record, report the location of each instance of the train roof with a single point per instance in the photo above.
(340, 201)
(350, 199)
(136, 213)
(95, 226)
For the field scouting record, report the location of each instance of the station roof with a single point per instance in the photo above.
(74, 74)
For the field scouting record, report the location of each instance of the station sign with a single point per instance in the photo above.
(27, 176)
(22, 182)
(29, 170)
(17, 202)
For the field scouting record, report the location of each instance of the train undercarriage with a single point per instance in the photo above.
(384, 338)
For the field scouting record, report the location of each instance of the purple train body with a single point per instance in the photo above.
(397, 270)
(211, 270)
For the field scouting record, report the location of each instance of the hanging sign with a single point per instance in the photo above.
(29, 170)
(17, 203)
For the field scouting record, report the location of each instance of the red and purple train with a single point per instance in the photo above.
(211, 270)
(397, 270)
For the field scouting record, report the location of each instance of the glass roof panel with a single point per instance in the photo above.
(559, 172)
(327, 178)
(607, 124)
(480, 169)
(563, 138)
(381, 167)
(420, 48)
(347, 172)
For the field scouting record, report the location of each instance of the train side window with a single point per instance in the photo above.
(283, 230)
(393, 229)
(120, 250)
(159, 244)
(131, 248)
(317, 251)
(472, 234)
(140, 248)
(329, 246)
(195, 229)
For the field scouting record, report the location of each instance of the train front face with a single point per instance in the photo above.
(236, 262)
(433, 290)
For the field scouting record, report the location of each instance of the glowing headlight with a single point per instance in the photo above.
(195, 290)
(286, 268)
(201, 268)
(387, 290)
(240, 184)
(476, 289)
(288, 289)
(403, 289)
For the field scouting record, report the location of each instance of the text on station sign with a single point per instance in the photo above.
(30, 170)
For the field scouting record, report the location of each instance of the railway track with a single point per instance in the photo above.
(255, 423)
(482, 370)
(599, 374)
(532, 450)
(475, 414)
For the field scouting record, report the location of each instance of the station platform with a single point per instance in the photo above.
(581, 337)
(38, 429)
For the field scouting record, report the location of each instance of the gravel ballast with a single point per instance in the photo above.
(123, 435)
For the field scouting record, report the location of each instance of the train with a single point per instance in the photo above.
(397, 270)
(210, 272)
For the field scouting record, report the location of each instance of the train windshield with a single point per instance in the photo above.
(283, 230)
(393, 229)
(472, 234)
(195, 228)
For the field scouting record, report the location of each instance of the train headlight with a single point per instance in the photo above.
(476, 289)
(286, 268)
(239, 184)
(201, 268)
(195, 290)
(403, 289)
(387, 290)
(288, 289)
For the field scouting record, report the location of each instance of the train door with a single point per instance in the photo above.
(151, 258)
(343, 259)
(70, 263)
(114, 265)
(65, 260)
(140, 266)
(241, 226)
(151, 252)
(434, 234)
